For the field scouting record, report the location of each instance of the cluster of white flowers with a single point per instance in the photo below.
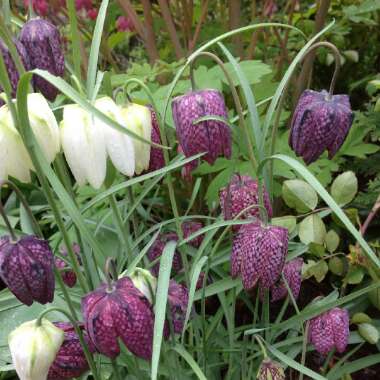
(87, 141)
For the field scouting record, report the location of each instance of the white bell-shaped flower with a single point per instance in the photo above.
(14, 158)
(144, 281)
(33, 348)
(44, 125)
(138, 119)
(119, 145)
(83, 143)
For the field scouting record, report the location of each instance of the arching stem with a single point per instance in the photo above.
(23, 201)
(110, 272)
(7, 222)
(78, 331)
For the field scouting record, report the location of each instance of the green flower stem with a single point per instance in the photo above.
(7, 222)
(86, 350)
(75, 36)
(133, 215)
(304, 347)
(262, 347)
(169, 181)
(235, 96)
(120, 226)
(23, 201)
(115, 369)
(64, 177)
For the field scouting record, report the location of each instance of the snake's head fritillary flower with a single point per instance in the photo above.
(320, 122)
(12, 71)
(178, 297)
(156, 160)
(270, 370)
(157, 248)
(210, 136)
(43, 44)
(138, 119)
(14, 158)
(191, 227)
(68, 275)
(124, 24)
(240, 193)
(70, 360)
(330, 330)
(33, 348)
(26, 267)
(258, 254)
(121, 312)
(292, 273)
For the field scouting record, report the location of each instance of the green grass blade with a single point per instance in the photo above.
(190, 361)
(95, 46)
(293, 364)
(160, 304)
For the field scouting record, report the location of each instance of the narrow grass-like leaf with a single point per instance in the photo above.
(193, 284)
(218, 287)
(190, 361)
(95, 47)
(160, 304)
(74, 31)
(293, 364)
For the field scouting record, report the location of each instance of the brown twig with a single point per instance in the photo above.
(303, 78)
(149, 34)
(234, 8)
(199, 25)
(371, 215)
(166, 14)
(129, 11)
(255, 34)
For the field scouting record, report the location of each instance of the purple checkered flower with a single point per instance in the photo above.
(240, 193)
(330, 330)
(320, 122)
(178, 297)
(270, 370)
(292, 273)
(155, 251)
(156, 160)
(210, 136)
(26, 267)
(70, 361)
(120, 312)
(12, 71)
(68, 275)
(258, 254)
(43, 44)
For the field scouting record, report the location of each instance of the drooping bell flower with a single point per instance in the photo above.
(330, 330)
(187, 169)
(210, 136)
(12, 71)
(156, 160)
(41, 7)
(320, 122)
(33, 348)
(155, 251)
(292, 273)
(83, 4)
(84, 146)
(43, 44)
(178, 297)
(240, 193)
(120, 146)
(120, 312)
(14, 158)
(68, 275)
(270, 370)
(124, 24)
(26, 267)
(138, 119)
(70, 360)
(258, 254)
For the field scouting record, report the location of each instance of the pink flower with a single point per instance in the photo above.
(92, 13)
(124, 24)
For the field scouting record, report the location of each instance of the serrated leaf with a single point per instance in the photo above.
(332, 241)
(300, 195)
(312, 230)
(344, 188)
